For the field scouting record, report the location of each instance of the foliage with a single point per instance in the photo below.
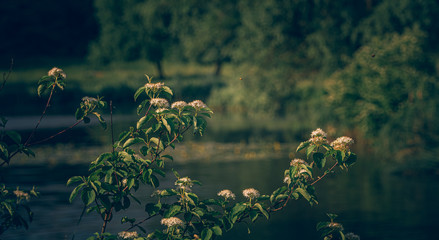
(139, 158)
(14, 210)
(207, 30)
(147, 36)
(334, 230)
(388, 91)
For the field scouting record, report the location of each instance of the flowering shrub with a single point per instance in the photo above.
(14, 210)
(138, 157)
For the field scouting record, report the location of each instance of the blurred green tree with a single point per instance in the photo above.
(388, 91)
(133, 29)
(207, 30)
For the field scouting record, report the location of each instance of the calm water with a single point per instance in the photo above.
(370, 202)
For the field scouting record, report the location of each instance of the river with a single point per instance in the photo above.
(371, 201)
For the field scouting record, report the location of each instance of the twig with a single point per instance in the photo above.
(42, 115)
(59, 133)
(6, 75)
(111, 125)
(326, 172)
(137, 224)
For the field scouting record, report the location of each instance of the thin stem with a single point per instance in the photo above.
(42, 115)
(111, 125)
(137, 224)
(6, 75)
(326, 173)
(56, 134)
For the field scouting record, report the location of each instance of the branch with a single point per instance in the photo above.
(326, 173)
(56, 134)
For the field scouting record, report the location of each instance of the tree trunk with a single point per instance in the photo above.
(160, 69)
(218, 66)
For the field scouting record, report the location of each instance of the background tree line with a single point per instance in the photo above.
(369, 65)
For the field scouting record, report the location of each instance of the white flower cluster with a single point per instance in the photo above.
(171, 222)
(184, 181)
(342, 143)
(160, 103)
(21, 194)
(335, 225)
(318, 137)
(89, 100)
(226, 194)
(128, 235)
(57, 73)
(198, 104)
(351, 236)
(250, 193)
(179, 105)
(297, 161)
(154, 86)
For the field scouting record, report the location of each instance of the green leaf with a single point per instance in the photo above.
(322, 225)
(352, 158)
(142, 122)
(88, 196)
(206, 234)
(4, 153)
(138, 92)
(303, 145)
(165, 123)
(263, 211)
(304, 193)
(75, 192)
(15, 136)
(41, 89)
(168, 90)
(172, 211)
(153, 209)
(319, 159)
(309, 150)
(217, 230)
(73, 180)
(132, 141)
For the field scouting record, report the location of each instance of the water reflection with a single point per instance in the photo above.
(373, 203)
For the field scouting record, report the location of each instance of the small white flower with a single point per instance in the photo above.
(318, 133)
(89, 100)
(124, 182)
(198, 104)
(185, 181)
(250, 193)
(179, 105)
(335, 225)
(160, 103)
(171, 222)
(226, 194)
(21, 194)
(318, 137)
(297, 161)
(287, 180)
(128, 235)
(342, 143)
(154, 86)
(352, 236)
(57, 73)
